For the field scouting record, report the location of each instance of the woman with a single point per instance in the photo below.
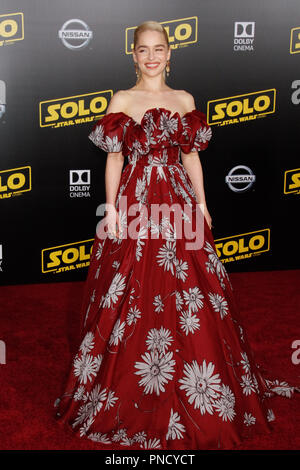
(164, 362)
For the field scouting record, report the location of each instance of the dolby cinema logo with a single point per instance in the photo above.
(240, 179)
(243, 36)
(75, 34)
(80, 183)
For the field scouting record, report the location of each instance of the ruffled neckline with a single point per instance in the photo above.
(155, 108)
(159, 128)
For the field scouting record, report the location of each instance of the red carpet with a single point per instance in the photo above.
(40, 324)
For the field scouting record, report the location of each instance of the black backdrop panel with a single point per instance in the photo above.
(61, 61)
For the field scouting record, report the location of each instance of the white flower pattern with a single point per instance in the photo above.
(156, 371)
(175, 428)
(189, 322)
(201, 385)
(219, 304)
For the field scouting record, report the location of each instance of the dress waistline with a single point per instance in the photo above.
(142, 163)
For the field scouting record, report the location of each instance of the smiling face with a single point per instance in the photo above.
(151, 53)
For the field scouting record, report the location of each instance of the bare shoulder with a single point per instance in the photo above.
(118, 102)
(187, 100)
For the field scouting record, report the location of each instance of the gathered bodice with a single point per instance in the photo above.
(158, 138)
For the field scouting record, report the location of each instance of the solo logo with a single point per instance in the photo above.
(295, 40)
(292, 181)
(11, 28)
(14, 182)
(74, 110)
(67, 257)
(245, 245)
(239, 108)
(181, 32)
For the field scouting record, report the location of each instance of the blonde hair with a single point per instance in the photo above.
(150, 26)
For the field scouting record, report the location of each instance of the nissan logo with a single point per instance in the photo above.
(240, 178)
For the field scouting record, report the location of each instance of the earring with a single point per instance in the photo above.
(137, 70)
(168, 68)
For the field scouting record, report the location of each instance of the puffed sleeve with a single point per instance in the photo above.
(108, 132)
(196, 133)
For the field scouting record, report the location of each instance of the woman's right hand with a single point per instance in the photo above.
(112, 222)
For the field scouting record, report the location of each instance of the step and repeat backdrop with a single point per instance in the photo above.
(60, 64)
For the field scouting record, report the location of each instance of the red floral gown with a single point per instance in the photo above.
(164, 362)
